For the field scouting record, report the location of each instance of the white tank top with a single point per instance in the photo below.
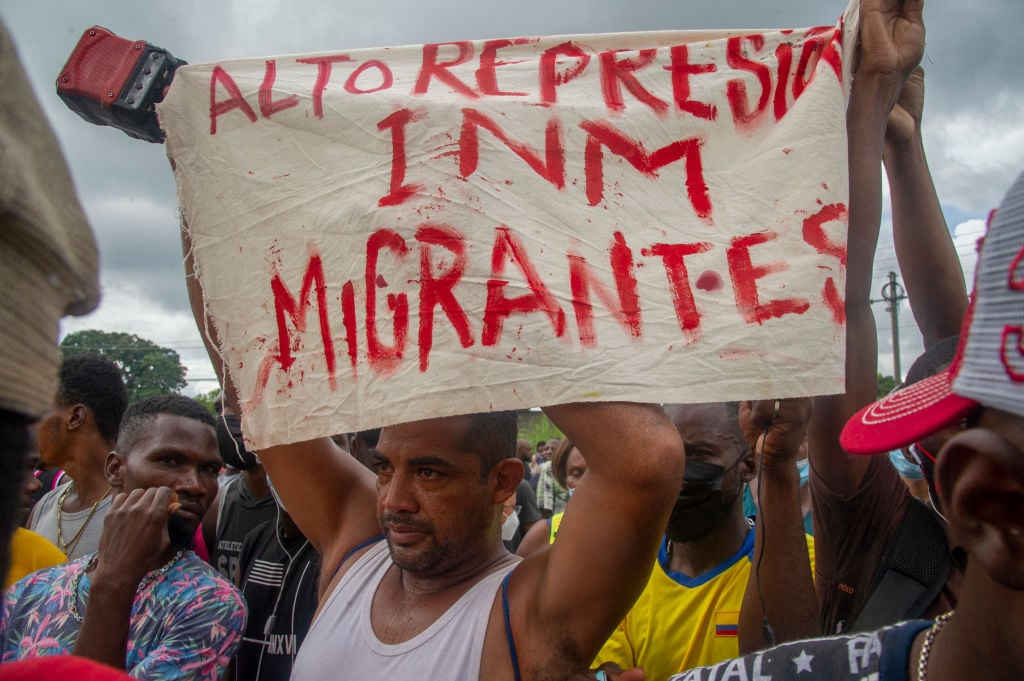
(341, 643)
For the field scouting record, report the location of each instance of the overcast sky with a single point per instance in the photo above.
(974, 115)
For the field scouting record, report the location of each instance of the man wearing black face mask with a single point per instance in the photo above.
(690, 612)
(243, 502)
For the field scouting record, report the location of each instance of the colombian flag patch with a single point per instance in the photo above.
(727, 623)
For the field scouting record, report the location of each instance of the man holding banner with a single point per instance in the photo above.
(428, 211)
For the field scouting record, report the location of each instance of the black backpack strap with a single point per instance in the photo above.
(913, 571)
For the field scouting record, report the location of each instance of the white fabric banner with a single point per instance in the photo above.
(391, 234)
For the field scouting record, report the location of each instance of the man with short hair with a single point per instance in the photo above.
(441, 597)
(144, 602)
(77, 434)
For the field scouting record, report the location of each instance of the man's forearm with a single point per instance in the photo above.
(927, 258)
(781, 568)
(866, 120)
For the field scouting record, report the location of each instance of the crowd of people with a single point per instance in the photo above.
(649, 542)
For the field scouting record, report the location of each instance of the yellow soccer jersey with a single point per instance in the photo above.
(679, 622)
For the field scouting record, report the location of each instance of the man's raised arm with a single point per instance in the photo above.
(566, 600)
(891, 45)
(925, 252)
(329, 494)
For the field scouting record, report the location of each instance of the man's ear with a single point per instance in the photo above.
(980, 482)
(507, 474)
(747, 466)
(114, 469)
(77, 416)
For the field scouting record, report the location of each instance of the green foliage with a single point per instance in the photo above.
(206, 399)
(148, 368)
(885, 385)
(535, 426)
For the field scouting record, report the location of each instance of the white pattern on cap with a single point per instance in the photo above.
(901, 403)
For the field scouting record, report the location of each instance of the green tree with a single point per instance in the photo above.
(535, 425)
(148, 368)
(885, 385)
(206, 399)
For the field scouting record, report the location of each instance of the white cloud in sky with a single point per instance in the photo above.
(975, 153)
(125, 308)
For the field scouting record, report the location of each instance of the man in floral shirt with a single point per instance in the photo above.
(144, 602)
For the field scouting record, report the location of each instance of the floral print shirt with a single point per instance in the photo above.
(185, 625)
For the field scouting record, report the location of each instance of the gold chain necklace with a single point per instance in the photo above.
(926, 645)
(68, 547)
(147, 579)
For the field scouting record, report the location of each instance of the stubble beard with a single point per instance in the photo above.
(421, 561)
(181, 532)
(435, 557)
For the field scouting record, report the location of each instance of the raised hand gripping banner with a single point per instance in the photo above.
(391, 234)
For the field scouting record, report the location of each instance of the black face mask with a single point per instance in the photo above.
(701, 506)
(231, 444)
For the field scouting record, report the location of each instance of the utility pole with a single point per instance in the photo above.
(892, 293)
